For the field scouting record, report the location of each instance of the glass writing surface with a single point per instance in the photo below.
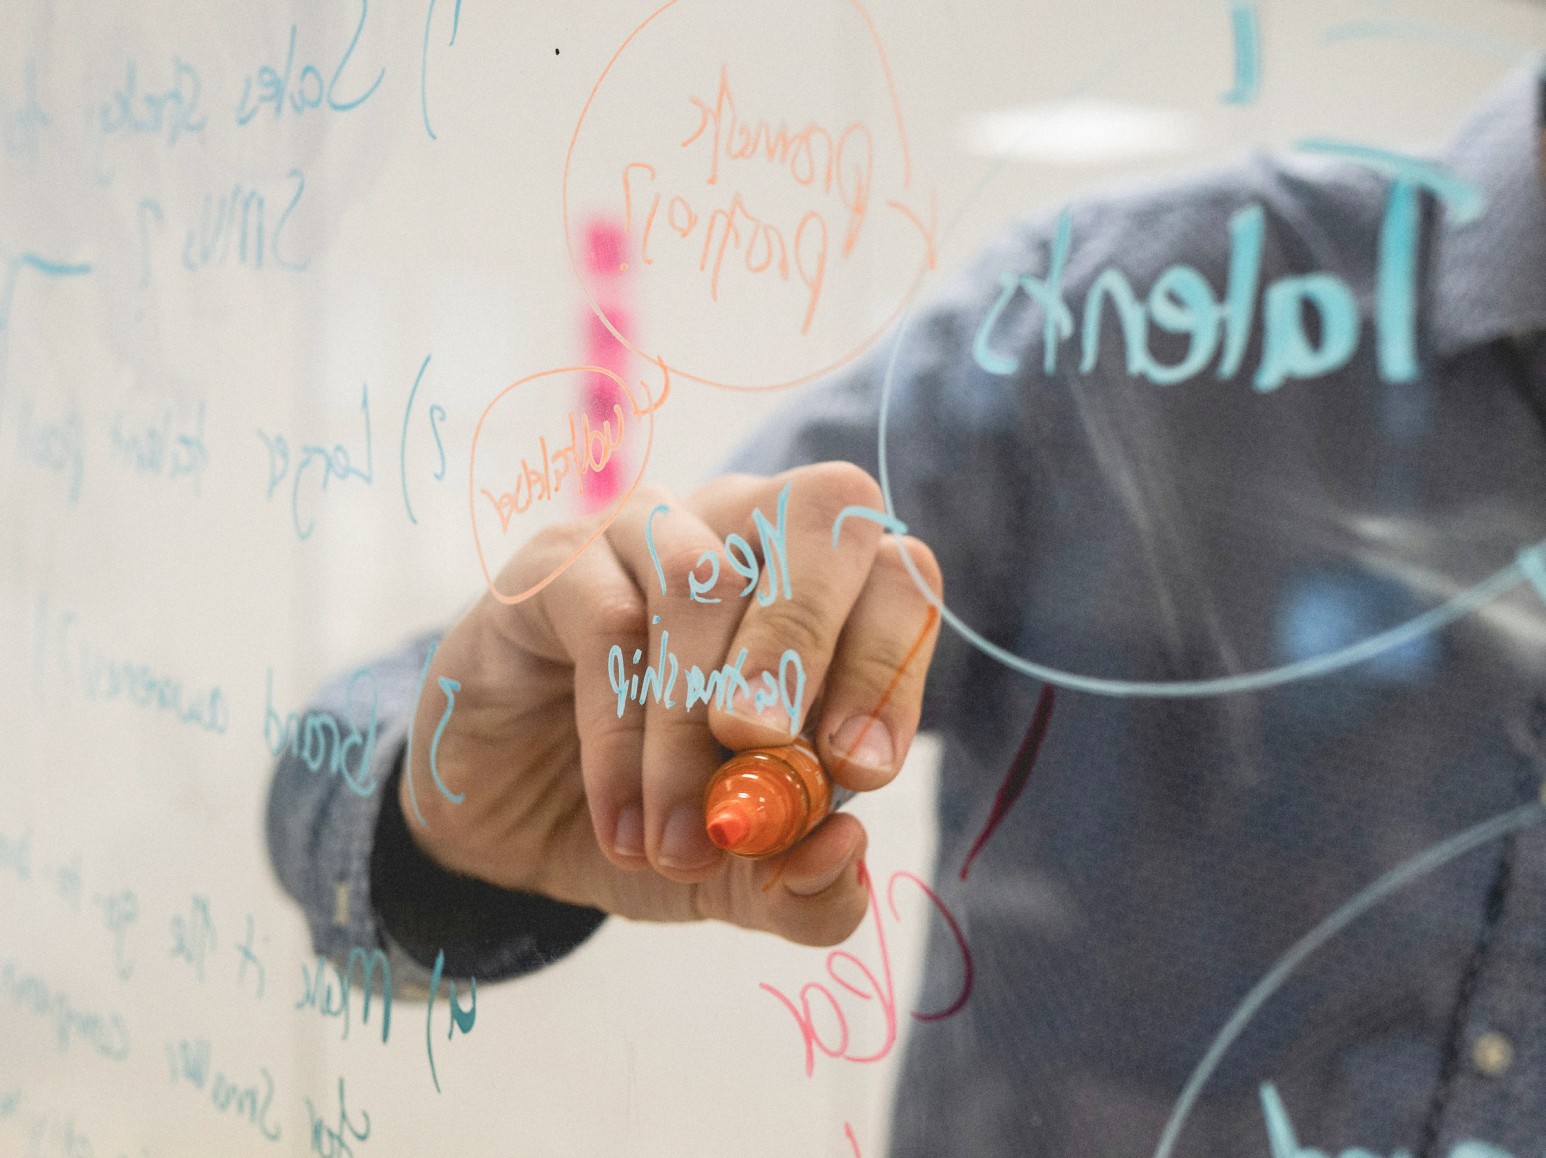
(1221, 835)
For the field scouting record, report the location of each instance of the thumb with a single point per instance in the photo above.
(815, 894)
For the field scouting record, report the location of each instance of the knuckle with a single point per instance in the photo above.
(795, 625)
(839, 484)
(618, 615)
(895, 553)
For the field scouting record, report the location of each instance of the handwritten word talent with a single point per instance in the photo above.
(588, 452)
(1182, 302)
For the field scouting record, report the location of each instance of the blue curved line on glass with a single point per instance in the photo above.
(402, 452)
(1398, 878)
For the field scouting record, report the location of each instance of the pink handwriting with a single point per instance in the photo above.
(883, 988)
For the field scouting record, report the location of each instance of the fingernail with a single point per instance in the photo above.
(865, 742)
(773, 716)
(628, 836)
(813, 885)
(685, 844)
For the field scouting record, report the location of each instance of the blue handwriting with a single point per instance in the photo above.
(104, 1034)
(1181, 301)
(282, 88)
(191, 1065)
(334, 463)
(153, 449)
(242, 215)
(172, 111)
(318, 739)
(328, 989)
(334, 1141)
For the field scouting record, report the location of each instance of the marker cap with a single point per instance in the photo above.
(764, 800)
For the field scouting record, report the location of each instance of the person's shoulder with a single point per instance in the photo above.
(1316, 213)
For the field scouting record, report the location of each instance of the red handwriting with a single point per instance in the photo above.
(588, 452)
(1017, 776)
(865, 985)
(848, 1132)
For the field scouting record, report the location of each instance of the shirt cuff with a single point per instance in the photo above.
(485, 931)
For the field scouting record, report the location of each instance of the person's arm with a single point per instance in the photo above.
(342, 849)
(536, 744)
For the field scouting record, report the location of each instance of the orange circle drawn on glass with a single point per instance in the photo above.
(926, 261)
(646, 412)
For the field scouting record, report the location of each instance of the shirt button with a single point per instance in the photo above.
(1493, 1054)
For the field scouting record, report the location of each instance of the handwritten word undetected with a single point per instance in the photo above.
(1182, 302)
(78, 661)
(772, 537)
(282, 89)
(322, 741)
(1285, 1144)
(246, 225)
(864, 984)
(104, 1034)
(164, 111)
(236, 1098)
(16, 854)
(193, 936)
(329, 991)
(335, 463)
(53, 443)
(588, 451)
(170, 446)
(336, 1141)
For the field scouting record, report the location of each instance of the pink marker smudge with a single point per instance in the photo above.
(1019, 773)
(606, 262)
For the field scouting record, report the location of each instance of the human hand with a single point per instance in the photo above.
(565, 797)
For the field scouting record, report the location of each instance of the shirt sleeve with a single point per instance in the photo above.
(956, 476)
(341, 846)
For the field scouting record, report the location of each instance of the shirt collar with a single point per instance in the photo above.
(1489, 276)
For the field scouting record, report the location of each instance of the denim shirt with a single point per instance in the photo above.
(1291, 620)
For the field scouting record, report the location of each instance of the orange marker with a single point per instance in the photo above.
(765, 800)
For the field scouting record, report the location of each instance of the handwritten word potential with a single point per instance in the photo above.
(866, 984)
(1182, 302)
(588, 452)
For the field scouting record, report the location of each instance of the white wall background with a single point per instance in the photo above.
(116, 818)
